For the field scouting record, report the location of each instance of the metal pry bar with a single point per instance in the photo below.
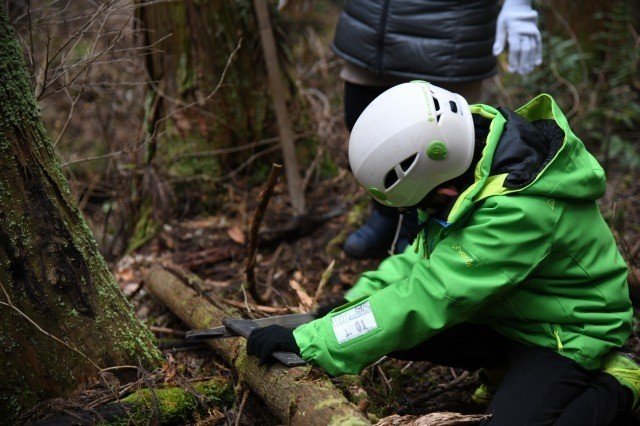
(211, 333)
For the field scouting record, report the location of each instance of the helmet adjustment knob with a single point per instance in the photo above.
(437, 150)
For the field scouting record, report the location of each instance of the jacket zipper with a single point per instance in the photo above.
(558, 341)
(383, 30)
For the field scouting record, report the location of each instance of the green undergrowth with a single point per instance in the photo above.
(592, 74)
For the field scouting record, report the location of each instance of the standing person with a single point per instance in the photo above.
(514, 268)
(449, 43)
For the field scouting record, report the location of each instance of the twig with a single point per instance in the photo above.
(453, 372)
(571, 87)
(167, 330)
(250, 283)
(71, 109)
(246, 303)
(261, 308)
(10, 304)
(272, 271)
(245, 397)
(324, 279)
(232, 149)
(409, 364)
(98, 157)
(384, 378)
(120, 367)
(209, 96)
(312, 168)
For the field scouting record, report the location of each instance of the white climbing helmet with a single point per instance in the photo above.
(410, 139)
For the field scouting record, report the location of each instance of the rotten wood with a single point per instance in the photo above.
(434, 419)
(298, 396)
(278, 91)
(256, 220)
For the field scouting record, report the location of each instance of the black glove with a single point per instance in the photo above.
(264, 341)
(329, 305)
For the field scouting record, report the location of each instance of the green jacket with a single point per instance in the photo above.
(524, 249)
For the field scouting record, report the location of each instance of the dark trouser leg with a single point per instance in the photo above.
(356, 99)
(603, 399)
(542, 387)
(468, 346)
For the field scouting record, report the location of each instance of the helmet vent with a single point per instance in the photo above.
(436, 103)
(408, 162)
(390, 179)
(453, 106)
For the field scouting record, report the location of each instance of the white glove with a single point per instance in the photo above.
(517, 24)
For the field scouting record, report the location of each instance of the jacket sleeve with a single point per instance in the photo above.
(501, 243)
(391, 270)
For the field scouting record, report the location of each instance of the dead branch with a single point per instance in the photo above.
(324, 279)
(296, 395)
(277, 89)
(252, 247)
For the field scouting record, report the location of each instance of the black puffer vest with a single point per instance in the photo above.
(443, 41)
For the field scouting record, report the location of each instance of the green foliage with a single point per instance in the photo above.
(595, 78)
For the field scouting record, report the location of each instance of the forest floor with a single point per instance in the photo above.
(214, 248)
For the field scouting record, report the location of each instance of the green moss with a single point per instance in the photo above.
(174, 405)
(345, 420)
(145, 229)
(329, 402)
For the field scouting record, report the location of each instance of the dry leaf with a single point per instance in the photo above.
(236, 234)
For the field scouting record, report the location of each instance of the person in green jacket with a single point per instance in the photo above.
(514, 268)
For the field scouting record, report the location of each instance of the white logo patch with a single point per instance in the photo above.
(354, 323)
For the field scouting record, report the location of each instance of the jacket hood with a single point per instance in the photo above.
(534, 151)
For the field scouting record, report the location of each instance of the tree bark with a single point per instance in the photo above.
(63, 315)
(189, 45)
(298, 396)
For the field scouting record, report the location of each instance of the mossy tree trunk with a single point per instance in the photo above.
(55, 285)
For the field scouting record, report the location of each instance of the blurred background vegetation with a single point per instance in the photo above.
(160, 110)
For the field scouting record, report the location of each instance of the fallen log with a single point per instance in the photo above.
(298, 396)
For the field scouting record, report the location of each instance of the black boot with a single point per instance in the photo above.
(374, 238)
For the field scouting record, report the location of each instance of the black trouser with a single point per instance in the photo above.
(540, 387)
